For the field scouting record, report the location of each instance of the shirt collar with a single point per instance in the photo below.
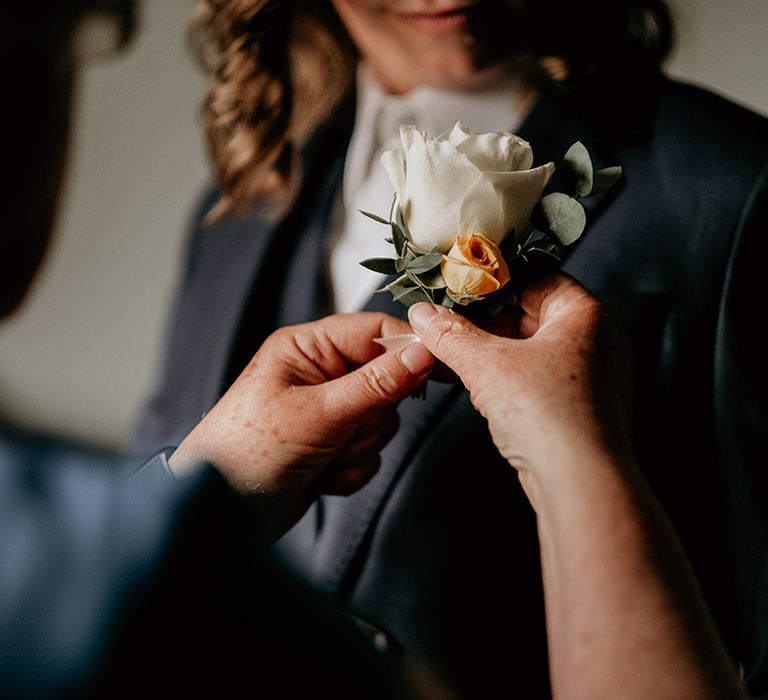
(379, 115)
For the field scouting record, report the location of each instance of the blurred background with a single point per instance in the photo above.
(80, 358)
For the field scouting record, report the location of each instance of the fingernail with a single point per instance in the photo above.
(420, 316)
(416, 358)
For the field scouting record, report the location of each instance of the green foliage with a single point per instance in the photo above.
(432, 279)
(420, 275)
(384, 266)
(375, 217)
(400, 233)
(558, 219)
(605, 178)
(576, 172)
(560, 216)
(413, 296)
(424, 263)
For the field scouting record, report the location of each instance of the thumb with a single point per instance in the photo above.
(451, 337)
(378, 384)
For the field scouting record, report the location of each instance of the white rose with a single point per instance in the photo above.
(461, 183)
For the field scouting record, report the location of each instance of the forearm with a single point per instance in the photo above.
(625, 615)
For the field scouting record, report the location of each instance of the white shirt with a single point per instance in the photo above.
(378, 117)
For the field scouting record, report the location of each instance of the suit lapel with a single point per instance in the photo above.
(304, 293)
(237, 291)
(215, 293)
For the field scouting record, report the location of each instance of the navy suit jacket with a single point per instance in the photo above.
(110, 586)
(440, 549)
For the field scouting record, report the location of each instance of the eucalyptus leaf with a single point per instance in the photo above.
(389, 240)
(413, 277)
(432, 280)
(400, 221)
(447, 302)
(398, 236)
(375, 217)
(605, 178)
(414, 296)
(576, 171)
(386, 266)
(399, 292)
(562, 216)
(402, 281)
(425, 263)
(400, 265)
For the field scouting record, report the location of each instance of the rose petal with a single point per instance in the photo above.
(498, 202)
(496, 152)
(436, 178)
(398, 342)
(456, 134)
(394, 165)
(463, 278)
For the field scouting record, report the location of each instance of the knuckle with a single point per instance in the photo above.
(380, 382)
(378, 316)
(446, 333)
(285, 332)
(281, 339)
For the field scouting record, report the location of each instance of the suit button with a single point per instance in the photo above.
(383, 642)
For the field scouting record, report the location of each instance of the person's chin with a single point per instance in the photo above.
(465, 77)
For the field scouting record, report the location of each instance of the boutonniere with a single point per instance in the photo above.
(470, 222)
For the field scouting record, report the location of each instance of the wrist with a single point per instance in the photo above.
(574, 469)
(186, 458)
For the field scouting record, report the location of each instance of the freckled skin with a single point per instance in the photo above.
(297, 423)
(625, 615)
(542, 393)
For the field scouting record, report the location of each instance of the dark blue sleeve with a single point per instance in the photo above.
(76, 540)
(741, 420)
(110, 586)
(156, 467)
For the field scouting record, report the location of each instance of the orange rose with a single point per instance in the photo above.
(474, 266)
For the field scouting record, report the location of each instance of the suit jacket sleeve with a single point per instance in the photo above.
(741, 420)
(108, 584)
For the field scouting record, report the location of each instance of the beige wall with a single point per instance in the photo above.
(81, 356)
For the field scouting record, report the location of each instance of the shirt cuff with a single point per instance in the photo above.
(156, 467)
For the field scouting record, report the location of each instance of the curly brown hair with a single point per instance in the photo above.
(279, 69)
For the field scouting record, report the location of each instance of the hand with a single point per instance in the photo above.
(557, 399)
(310, 412)
(563, 377)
